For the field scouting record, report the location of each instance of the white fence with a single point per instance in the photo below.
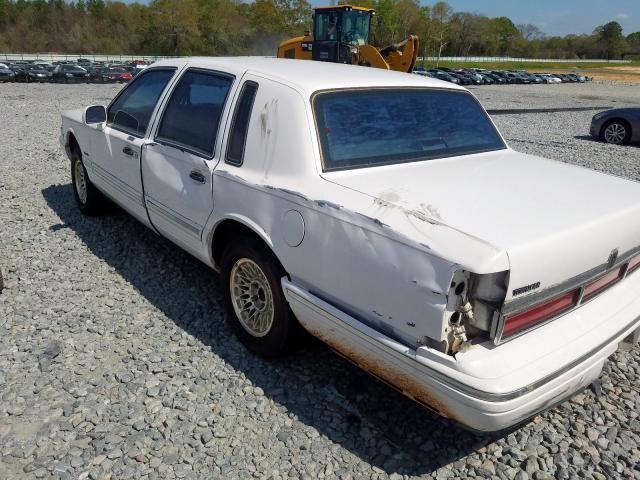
(50, 57)
(125, 58)
(515, 59)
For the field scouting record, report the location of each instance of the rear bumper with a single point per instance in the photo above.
(472, 389)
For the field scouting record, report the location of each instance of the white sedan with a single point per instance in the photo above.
(382, 212)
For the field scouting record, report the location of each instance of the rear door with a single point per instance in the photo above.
(116, 149)
(177, 163)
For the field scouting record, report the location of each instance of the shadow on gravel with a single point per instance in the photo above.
(587, 138)
(350, 408)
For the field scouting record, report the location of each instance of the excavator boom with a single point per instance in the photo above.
(400, 57)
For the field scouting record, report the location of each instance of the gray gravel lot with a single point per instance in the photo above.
(115, 362)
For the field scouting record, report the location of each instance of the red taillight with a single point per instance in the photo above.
(602, 283)
(519, 322)
(539, 313)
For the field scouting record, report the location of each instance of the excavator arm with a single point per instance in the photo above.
(401, 56)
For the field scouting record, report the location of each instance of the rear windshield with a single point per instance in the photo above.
(365, 128)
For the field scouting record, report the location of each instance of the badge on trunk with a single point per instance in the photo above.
(613, 256)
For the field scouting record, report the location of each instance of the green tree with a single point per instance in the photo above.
(610, 39)
(633, 44)
(96, 7)
(386, 23)
(506, 33)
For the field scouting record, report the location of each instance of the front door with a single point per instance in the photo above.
(177, 165)
(117, 148)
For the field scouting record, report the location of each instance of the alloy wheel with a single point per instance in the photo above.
(251, 297)
(615, 133)
(80, 182)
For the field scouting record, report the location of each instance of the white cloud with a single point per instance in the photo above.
(622, 16)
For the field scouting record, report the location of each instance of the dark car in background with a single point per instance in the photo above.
(67, 73)
(618, 126)
(6, 74)
(442, 75)
(496, 78)
(32, 73)
(463, 77)
(110, 75)
(503, 76)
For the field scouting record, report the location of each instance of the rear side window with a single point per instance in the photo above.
(131, 111)
(192, 116)
(240, 124)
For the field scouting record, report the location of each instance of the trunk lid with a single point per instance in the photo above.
(554, 220)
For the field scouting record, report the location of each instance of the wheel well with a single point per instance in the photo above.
(73, 144)
(226, 232)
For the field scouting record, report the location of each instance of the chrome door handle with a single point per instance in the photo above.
(197, 176)
(128, 151)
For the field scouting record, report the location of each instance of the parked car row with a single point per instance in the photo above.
(65, 71)
(480, 76)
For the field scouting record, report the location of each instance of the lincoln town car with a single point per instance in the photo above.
(383, 213)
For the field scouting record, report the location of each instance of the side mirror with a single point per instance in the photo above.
(95, 114)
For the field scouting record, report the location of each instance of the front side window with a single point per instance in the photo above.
(132, 109)
(193, 113)
(240, 124)
(365, 128)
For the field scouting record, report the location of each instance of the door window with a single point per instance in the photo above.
(132, 109)
(240, 124)
(326, 26)
(192, 116)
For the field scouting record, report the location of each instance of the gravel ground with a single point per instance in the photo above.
(115, 362)
(596, 93)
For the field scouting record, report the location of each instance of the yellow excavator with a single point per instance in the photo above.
(341, 35)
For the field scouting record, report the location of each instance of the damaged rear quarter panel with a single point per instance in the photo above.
(385, 267)
(352, 261)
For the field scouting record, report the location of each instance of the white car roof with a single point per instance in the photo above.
(311, 76)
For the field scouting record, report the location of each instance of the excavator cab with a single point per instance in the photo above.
(338, 31)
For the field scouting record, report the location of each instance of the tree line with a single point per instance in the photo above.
(234, 27)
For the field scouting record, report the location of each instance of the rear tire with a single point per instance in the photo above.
(616, 132)
(89, 199)
(254, 302)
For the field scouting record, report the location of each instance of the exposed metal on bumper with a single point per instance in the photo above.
(422, 375)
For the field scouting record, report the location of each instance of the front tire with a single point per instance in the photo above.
(254, 302)
(616, 132)
(90, 201)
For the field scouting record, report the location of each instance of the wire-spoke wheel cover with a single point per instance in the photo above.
(615, 133)
(251, 297)
(80, 182)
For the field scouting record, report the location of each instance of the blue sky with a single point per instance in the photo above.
(553, 17)
(559, 17)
